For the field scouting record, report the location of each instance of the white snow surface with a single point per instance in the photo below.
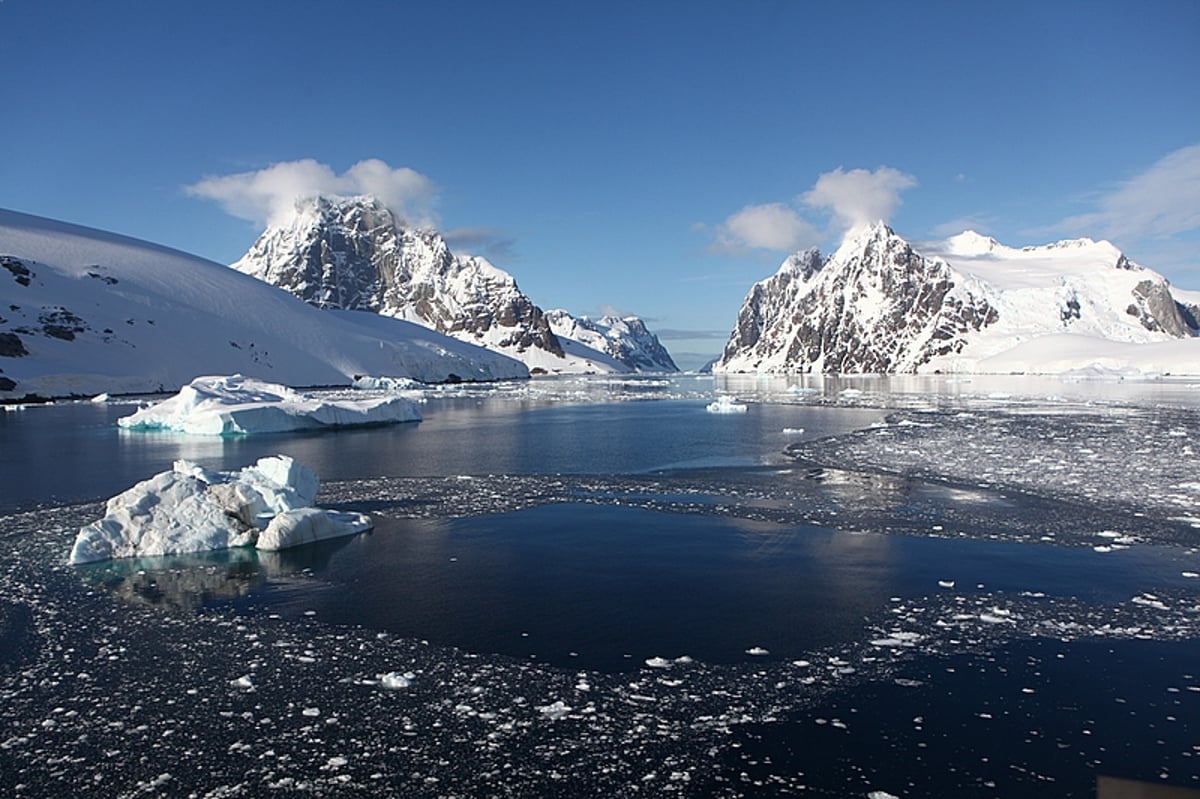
(238, 405)
(99, 312)
(192, 509)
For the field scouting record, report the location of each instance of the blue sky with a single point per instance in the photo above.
(655, 158)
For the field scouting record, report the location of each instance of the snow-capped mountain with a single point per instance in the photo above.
(625, 339)
(84, 312)
(877, 305)
(352, 253)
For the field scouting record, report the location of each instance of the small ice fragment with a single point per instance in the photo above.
(658, 663)
(394, 680)
(1189, 574)
(311, 712)
(555, 710)
(945, 583)
(881, 795)
(757, 651)
(793, 431)
(244, 682)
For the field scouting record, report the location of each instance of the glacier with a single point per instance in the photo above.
(236, 405)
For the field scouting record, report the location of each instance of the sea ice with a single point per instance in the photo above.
(192, 509)
(236, 405)
(369, 383)
(725, 404)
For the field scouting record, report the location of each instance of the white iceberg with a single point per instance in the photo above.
(192, 509)
(236, 405)
(372, 383)
(725, 404)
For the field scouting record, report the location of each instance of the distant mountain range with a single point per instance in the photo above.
(967, 304)
(352, 253)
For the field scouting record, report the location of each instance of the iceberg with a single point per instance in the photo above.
(234, 405)
(192, 509)
(725, 404)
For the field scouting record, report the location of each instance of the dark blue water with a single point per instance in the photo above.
(75, 452)
(607, 587)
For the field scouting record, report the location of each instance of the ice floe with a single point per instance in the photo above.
(235, 405)
(725, 404)
(192, 509)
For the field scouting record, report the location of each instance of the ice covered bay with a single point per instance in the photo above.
(247, 675)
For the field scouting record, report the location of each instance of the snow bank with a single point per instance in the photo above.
(237, 405)
(191, 509)
(725, 404)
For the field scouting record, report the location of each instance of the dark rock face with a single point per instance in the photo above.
(877, 307)
(11, 346)
(1157, 310)
(352, 254)
(20, 272)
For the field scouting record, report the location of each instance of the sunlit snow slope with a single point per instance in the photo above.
(83, 311)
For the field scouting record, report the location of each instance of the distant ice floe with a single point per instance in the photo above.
(236, 405)
(192, 509)
(725, 404)
(369, 383)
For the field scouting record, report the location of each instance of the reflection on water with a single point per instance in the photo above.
(194, 580)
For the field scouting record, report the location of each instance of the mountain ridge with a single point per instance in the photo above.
(878, 305)
(353, 253)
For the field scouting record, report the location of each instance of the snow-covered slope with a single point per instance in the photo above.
(84, 312)
(625, 339)
(351, 253)
(879, 306)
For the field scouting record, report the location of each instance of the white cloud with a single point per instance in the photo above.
(859, 197)
(1162, 201)
(774, 226)
(959, 224)
(855, 198)
(267, 196)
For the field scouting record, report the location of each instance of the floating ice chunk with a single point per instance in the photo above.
(1149, 600)
(658, 663)
(244, 682)
(368, 383)
(881, 795)
(996, 617)
(555, 710)
(306, 525)
(192, 509)
(1189, 574)
(236, 405)
(725, 404)
(793, 431)
(757, 651)
(945, 583)
(100, 399)
(394, 680)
